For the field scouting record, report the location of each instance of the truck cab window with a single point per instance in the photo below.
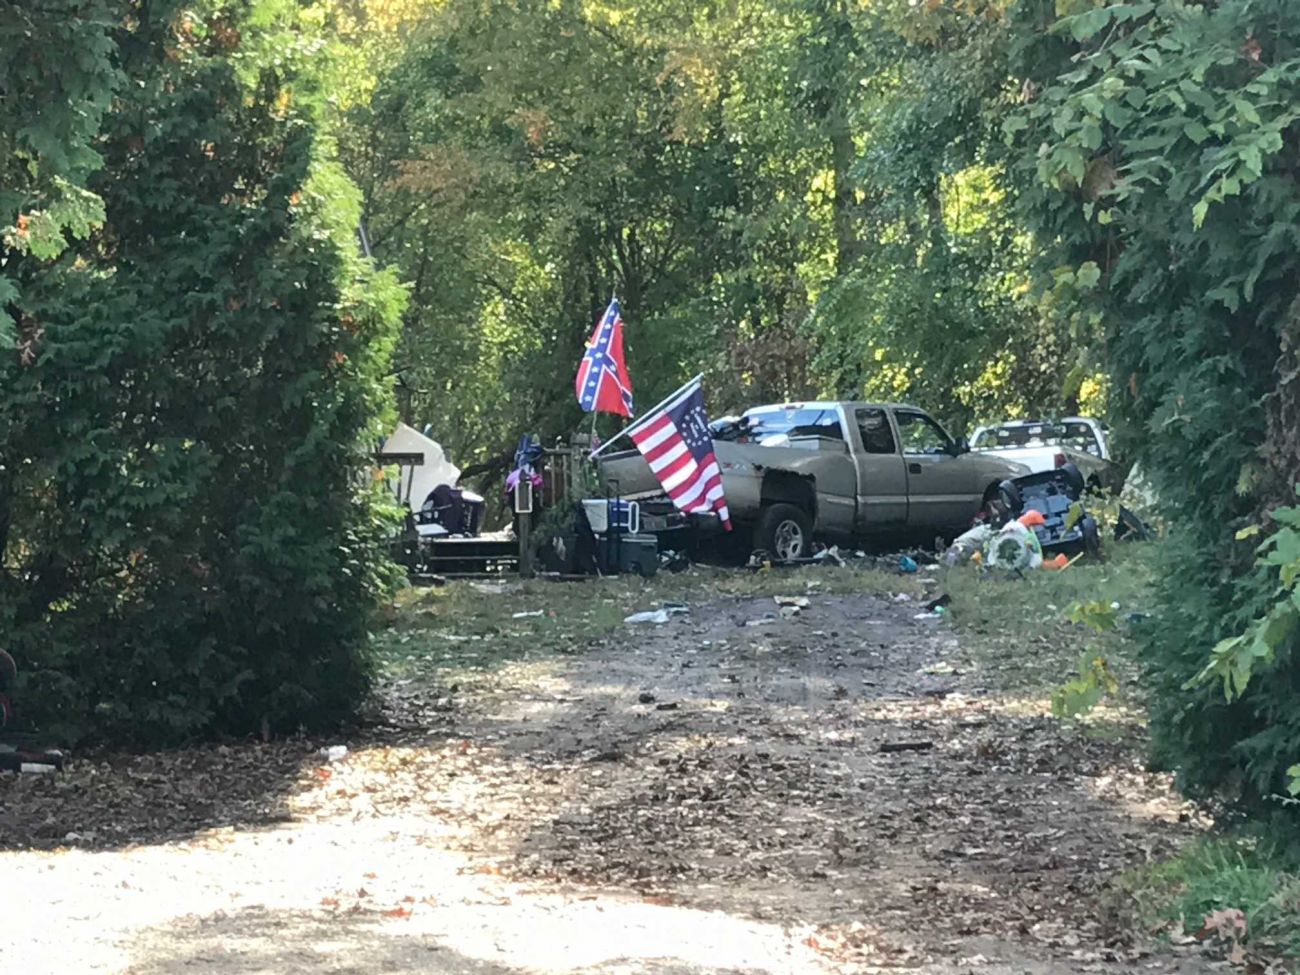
(877, 437)
(775, 426)
(921, 435)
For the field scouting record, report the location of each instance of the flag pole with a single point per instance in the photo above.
(646, 416)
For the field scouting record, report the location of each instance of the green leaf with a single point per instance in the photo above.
(1014, 123)
(1195, 131)
(1199, 212)
(1086, 25)
(1089, 274)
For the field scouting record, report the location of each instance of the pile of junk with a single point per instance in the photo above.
(20, 752)
(438, 506)
(601, 536)
(1041, 522)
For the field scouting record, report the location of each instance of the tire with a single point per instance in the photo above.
(1009, 497)
(1074, 477)
(785, 531)
(1091, 536)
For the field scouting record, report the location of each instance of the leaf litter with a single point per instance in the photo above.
(764, 794)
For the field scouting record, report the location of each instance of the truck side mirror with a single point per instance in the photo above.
(962, 446)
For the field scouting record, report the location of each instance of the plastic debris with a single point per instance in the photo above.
(655, 616)
(528, 615)
(907, 565)
(334, 753)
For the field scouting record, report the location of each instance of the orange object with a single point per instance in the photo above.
(1060, 562)
(1032, 519)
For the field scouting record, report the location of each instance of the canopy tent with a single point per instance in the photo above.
(435, 470)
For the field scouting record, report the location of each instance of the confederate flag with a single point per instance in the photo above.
(603, 384)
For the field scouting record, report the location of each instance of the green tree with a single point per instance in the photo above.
(57, 78)
(194, 541)
(1158, 142)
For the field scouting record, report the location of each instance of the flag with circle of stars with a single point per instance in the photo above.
(678, 446)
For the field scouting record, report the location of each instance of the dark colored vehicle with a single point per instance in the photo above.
(1055, 494)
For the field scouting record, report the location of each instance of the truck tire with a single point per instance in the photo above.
(1074, 477)
(1091, 536)
(784, 531)
(1009, 497)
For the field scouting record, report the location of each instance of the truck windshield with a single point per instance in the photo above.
(769, 424)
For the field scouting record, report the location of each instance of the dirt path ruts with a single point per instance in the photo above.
(705, 796)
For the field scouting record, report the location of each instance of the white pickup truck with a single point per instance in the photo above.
(1042, 445)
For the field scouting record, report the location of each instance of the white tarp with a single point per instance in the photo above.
(435, 470)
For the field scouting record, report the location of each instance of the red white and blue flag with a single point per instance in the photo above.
(603, 384)
(677, 444)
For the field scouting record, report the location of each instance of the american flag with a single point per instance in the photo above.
(603, 383)
(679, 448)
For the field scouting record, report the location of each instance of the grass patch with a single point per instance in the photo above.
(1217, 874)
(453, 632)
(1017, 631)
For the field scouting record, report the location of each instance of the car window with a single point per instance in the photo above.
(921, 435)
(877, 437)
(1080, 436)
(769, 423)
(1019, 435)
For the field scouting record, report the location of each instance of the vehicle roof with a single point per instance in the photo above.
(833, 404)
(1038, 423)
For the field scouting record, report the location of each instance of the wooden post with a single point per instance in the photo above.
(525, 545)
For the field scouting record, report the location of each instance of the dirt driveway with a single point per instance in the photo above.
(716, 794)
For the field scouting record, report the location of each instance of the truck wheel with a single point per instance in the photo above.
(1009, 497)
(1074, 477)
(1091, 536)
(785, 531)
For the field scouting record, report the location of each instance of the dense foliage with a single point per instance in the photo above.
(190, 534)
(1166, 156)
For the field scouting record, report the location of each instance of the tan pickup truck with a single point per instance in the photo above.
(837, 471)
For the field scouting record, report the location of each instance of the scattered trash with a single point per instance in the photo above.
(528, 615)
(829, 556)
(907, 565)
(655, 616)
(887, 747)
(941, 668)
(968, 545)
(940, 602)
(1015, 547)
(671, 561)
(937, 615)
(666, 706)
(675, 609)
(798, 602)
(764, 621)
(40, 762)
(1129, 527)
(902, 597)
(334, 753)
(645, 697)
